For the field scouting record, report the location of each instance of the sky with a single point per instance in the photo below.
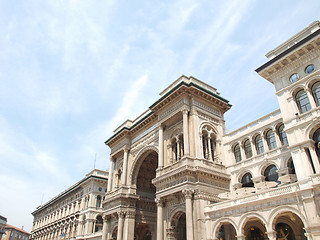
(72, 71)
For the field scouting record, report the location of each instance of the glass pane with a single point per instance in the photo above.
(309, 69)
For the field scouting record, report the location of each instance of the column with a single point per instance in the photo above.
(311, 99)
(315, 159)
(104, 228)
(128, 231)
(209, 148)
(108, 227)
(159, 219)
(125, 166)
(160, 156)
(110, 179)
(265, 144)
(185, 132)
(189, 219)
(253, 147)
(272, 235)
(120, 225)
(218, 150)
(242, 152)
(277, 137)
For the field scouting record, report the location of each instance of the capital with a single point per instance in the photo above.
(121, 214)
(188, 193)
(159, 202)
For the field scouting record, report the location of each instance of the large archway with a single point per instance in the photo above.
(146, 214)
(226, 232)
(289, 226)
(255, 229)
(178, 226)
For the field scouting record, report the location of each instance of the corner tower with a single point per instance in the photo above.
(167, 165)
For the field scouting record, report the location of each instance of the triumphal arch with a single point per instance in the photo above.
(166, 165)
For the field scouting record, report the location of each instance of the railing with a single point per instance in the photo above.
(254, 197)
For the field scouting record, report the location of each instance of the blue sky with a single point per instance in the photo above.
(72, 71)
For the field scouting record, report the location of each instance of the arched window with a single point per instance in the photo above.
(316, 139)
(316, 92)
(208, 143)
(246, 180)
(303, 101)
(290, 166)
(271, 140)
(271, 173)
(237, 153)
(99, 224)
(282, 135)
(247, 149)
(177, 147)
(259, 144)
(98, 204)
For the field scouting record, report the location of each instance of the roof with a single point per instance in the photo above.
(183, 81)
(16, 228)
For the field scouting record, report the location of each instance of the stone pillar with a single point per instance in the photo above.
(265, 144)
(253, 147)
(189, 216)
(160, 156)
(159, 219)
(104, 228)
(272, 235)
(209, 148)
(185, 132)
(125, 166)
(242, 152)
(109, 233)
(311, 99)
(315, 159)
(110, 179)
(120, 225)
(129, 225)
(277, 137)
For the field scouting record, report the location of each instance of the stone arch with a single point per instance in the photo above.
(265, 165)
(296, 89)
(220, 222)
(310, 129)
(272, 219)
(178, 131)
(138, 161)
(246, 219)
(312, 80)
(242, 172)
(206, 123)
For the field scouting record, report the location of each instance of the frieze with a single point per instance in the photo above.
(145, 133)
(286, 70)
(207, 117)
(257, 207)
(149, 140)
(173, 109)
(205, 107)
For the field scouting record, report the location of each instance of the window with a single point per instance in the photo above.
(316, 92)
(271, 173)
(316, 139)
(259, 144)
(290, 166)
(99, 224)
(294, 77)
(208, 143)
(271, 140)
(282, 135)
(247, 180)
(98, 204)
(247, 149)
(303, 101)
(309, 69)
(237, 153)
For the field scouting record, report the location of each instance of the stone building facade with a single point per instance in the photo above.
(76, 212)
(176, 174)
(14, 233)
